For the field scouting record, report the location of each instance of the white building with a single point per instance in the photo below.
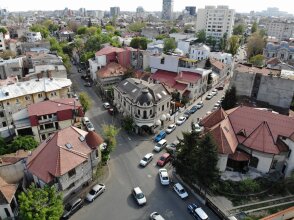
(167, 9)
(164, 62)
(199, 52)
(216, 21)
(282, 30)
(33, 36)
(225, 58)
(2, 43)
(155, 47)
(11, 67)
(147, 103)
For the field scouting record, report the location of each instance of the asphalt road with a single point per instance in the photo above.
(117, 203)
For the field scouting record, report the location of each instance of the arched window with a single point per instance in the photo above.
(254, 162)
(145, 114)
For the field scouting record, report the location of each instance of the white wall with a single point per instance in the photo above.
(265, 161)
(290, 160)
(170, 63)
(222, 162)
(3, 213)
(184, 46)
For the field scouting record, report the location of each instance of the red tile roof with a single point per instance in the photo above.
(108, 50)
(188, 77)
(180, 86)
(239, 156)
(52, 158)
(53, 106)
(13, 157)
(111, 70)
(217, 64)
(165, 77)
(213, 118)
(7, 191)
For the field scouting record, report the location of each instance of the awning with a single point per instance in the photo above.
(239, 156)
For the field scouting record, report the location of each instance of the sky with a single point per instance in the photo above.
(148, 5)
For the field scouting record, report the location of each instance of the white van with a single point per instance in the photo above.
(160, 145)
(201, 214)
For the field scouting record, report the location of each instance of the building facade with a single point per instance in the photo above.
(191, 10)
(33, 36)
(282, 30)
(199, 52)
(167, 9)
(283, 51)
(114, 11)
(215, 21)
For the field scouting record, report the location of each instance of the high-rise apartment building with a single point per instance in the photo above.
(167, 9)
(114, 11)
(191, 10)
(282, 30)
(216, 21)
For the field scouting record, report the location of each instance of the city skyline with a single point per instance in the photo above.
(148, 5)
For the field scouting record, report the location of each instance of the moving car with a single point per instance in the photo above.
(179, 189)
(72, 207)
(156, 216)
(209, 96)
(193, 109)
(96, 191)
(163, 159)
(197, 212)
(90, 126)
(146, 159)
(160, 145)
(106, 105)
(85, 120)
(139, 196)
(160, 136)
(170, 128)
(163, 176)
(199, 105)
(181, 120)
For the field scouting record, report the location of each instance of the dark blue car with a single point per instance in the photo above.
(191, 209)
(160, 136)
(193, 109)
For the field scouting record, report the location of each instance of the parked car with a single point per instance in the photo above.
(173, 146)
(146, 159)
(216, 106)
(72, 207)
(156, 216)
(187, 113)
(163, 159)
(209, 96)
(193, 109)
(220, 87)
(85, 120)
(179, 189)
(214, 92)
(111, 111)
(160, 145)
(199, 105)
(90, 126)
(139, 196)
(197, 128)
(170, 128)
(160, 136)
(197, 212)
(106, 105)
(163, 176)
(96, 191)
(181, 120)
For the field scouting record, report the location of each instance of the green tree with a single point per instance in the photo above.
(239, 29)
(85, 101)
(23, 142)
(201, 35)
(82, 30)
(174, 30)
(255, 45)
(40, 28)
(223, 41)
(230, 99)
(207, 64)
(161, 36)
(211, 41)
(109, 28)
(233, 44)
(257, 60)
(136, 26)
(139, 43)
(3, 30)
(93, 43)
(169, 45)
(91, 30)
(3, 146)
(109, 133)
(254, 27)
(86, 56)
(40, 204)
(128, 123)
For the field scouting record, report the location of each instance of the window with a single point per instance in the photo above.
(71, 186)
(145, 114)
(167, 104)
(151, 112)
(162, 60)
(43, 136)
(1, 114)
(162, 108)
(7, 103)
(40, 95)
(274, 164)
(290, 151)
(71, 173)
(4, 124)
(139, 112)
(17, 101)
(97, 153)
(47, 126)
(254, 162)
(27, 97)
(7, 212)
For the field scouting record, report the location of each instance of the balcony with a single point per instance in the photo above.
(47, 130)
(52, 119)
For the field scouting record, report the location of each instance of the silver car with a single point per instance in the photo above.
(96, 191)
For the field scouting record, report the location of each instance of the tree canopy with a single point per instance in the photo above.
(169, 45)
(239, 29)
(257, 60)
(255, 45)
(18, 143)
(201, 35)
(136, 26)
(40, 28)
(233, 44)
(254, 27)
(41, 204)
(3, 30)
(139, 43)
(230, 99)
(109, 133)
(85, 101)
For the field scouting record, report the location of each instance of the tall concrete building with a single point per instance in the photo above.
(114, 11)
(215, 21)
(167, 9)
(191, 10)
(282, 30)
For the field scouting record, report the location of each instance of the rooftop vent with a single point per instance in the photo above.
(82, 138)
(68, 146)
(134, 90)
(158, 95)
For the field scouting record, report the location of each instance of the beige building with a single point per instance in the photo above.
(282, 30)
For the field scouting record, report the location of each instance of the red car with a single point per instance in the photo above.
(164, 159)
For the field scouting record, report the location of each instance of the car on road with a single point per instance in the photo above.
(193, 109)
(187, 113)
(156, 216)
(160, 145)
(163, 176)
(172, 146)
(197, 212)
(160, 136)
(199, 105)
(111, 111)
(72, 207)
(170, 128)
(220, 87)
(163, 159)
(179, 189)
(209, 96)
(85, 120)
(197, 128)
(146, 159)
(106, 105)
(216, 106)
(181, 120)
(139, 196)
(214, 92)
(96, 191)
(90, 126)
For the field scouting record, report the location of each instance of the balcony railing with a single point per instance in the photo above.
(54, 118)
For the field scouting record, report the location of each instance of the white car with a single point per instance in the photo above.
(199, 105)
(106, 105)
(214, 92)
(156, 216)
(198, 128)
(170, 128)
(146, 159)
(163, 175)
(209, 96)
(179, 189)
(181, 120)
(85, 120)
(90, 126)
(96, 191)
(139, 196)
